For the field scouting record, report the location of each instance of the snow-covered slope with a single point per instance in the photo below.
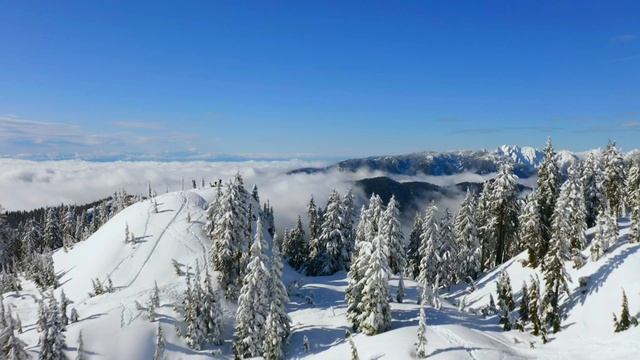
(112, 327)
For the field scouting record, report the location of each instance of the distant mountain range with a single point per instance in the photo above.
(525, 159)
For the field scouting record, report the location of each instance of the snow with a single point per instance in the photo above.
(113, 328)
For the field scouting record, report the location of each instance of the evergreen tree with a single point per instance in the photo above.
(421, 342)
(253, 302)
(467, 240)
(315, 220)
(600, 242)
(534, 306)
(272, 338)
(524, 304)
(211, 310)
(503, 223)
(613, 181)
(69, 228)
(52, 237)
(279, 296)
(632, 186)
(413, 253)
(80, 353)
(634, 231)
(625, 320)
(52, 338)
(592, 175)
(356, 278)
(330, 250)
(348, 217)
(548, 188)
(195, 331)
(400, 291)
(555, 277)
(64, 302)
(295, 247)
(447, 253)
(375, 317)
(429, 246)
(483, 215)
(393, 233)
(505, 300)
(155, 296)
(13, 348)
(160, 344)
(530, 233)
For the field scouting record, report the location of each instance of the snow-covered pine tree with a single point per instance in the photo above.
(413, 253)
(632, 187)
(534, 306)
(447, 253)
(592, 175)
(73, 317)
(279, 296)
(576, 211)
(421, 342)
(361, 260)
(524, 304)
(52, 338)
(272, 339)
(195, 332)
(64, 302)
(612, 230)
(547, 190)
(634, 231)
(375, 314)
(31, 238)
(13, 348)
(600, 242)
(161, 344)
(393, 233)
(429, 245)
(348, 231)
(155, 295)
(503, 222)
(555, 277)
(613, 180)
(213, 211)
(211, 310)
(52, 236)
(227, 239)
(483, 215)
(80, 353)
(530, 232)
(626, 320)
(315, 220)
(295, 247)
(505, 300)
(69, 228)
(467, 240)
(400, 290)
(253, 302)
(330, 251)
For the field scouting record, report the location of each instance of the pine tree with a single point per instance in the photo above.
(52, 238)
(64, 302)
(634, 231)
(376, 314)
(272, 339)
(330, 251)
(555, 277)
(400, 291)
(600, 242)
(625, 318)
(348, 216)
(503, 222)
(279, 296)
(413, 253)
(195, 332)
(524, 304)
(613, 181)
(155, 296)
(211, 310)
(393, 232)
(315, 220)
(295, 247)
(447, 253)
(68, 228)
(505, 300)
(632, 186)
(80, 353)
(530, 233)
(548, 188)
(592, 179)
(467, 240)
(429, 246)
(52, 338)
(13, 348)
(534, 306)
(160, 344)
(253, 302)
(73, 317)
(363, 250)
(421, 342)
(483, 215)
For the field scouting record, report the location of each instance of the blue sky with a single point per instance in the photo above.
(317, 79)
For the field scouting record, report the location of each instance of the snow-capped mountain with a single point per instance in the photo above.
(525, 159)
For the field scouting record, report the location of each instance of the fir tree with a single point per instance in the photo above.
(295, 247)
(613, 181)
(155, 296)
(447, 253)
(272, 339)
(592, 174)
(64, 302)
(505, 300)
(400, 290)
(315, 220)
(632, 186)
(253, 302)
(52, 238)
(625, 318)
(548, 188)
(413, 253)
(375, 317)
(530, 234)
(429, 246)
(421, 342)
(524, 304)
(279, 296)
(363, 250)
(52, 338)
(211, 310)
(600, 242)
(348, 217)
(467, 240)
(503, 222)
(555, 277)
(393, 233)
(534, 306)
(160, 344)
(13, 348)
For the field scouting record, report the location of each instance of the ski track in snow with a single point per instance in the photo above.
(155, 245)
